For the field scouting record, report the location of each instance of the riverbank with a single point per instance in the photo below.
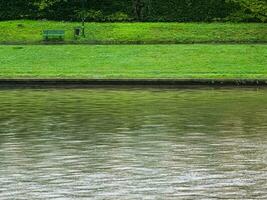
(29, 32)
(169, 83)
(134, 62)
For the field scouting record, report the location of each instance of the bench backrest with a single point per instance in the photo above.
(54, 32)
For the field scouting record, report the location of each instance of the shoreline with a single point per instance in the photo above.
(80, 83)
(42, 43)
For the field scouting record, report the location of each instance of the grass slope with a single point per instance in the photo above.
(143, 33)
(134, 61)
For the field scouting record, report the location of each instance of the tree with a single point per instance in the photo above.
(258, 8)
(141, 8)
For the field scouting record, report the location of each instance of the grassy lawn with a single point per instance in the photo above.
(134, 61)
(143, 33)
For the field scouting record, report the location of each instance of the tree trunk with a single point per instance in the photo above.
(138, 6)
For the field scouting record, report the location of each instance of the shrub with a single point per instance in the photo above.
(119, 17)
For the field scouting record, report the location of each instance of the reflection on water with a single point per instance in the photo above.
(133, 144)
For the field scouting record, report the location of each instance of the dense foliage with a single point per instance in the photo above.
(251, 9)
(135, 10)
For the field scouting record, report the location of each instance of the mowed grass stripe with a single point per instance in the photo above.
(134, 61)
(26, 31)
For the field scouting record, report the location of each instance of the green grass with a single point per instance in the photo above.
(134, 61)
(143, 33)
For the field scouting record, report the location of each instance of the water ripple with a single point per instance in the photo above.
(133, 144)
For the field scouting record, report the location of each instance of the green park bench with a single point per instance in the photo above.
(53, 35)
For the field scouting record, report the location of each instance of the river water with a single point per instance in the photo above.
(133, 144)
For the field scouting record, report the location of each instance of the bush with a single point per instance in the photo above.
(241, 16)
(118, 17)
(94, 15)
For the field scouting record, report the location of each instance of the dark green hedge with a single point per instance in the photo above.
(118, 10)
